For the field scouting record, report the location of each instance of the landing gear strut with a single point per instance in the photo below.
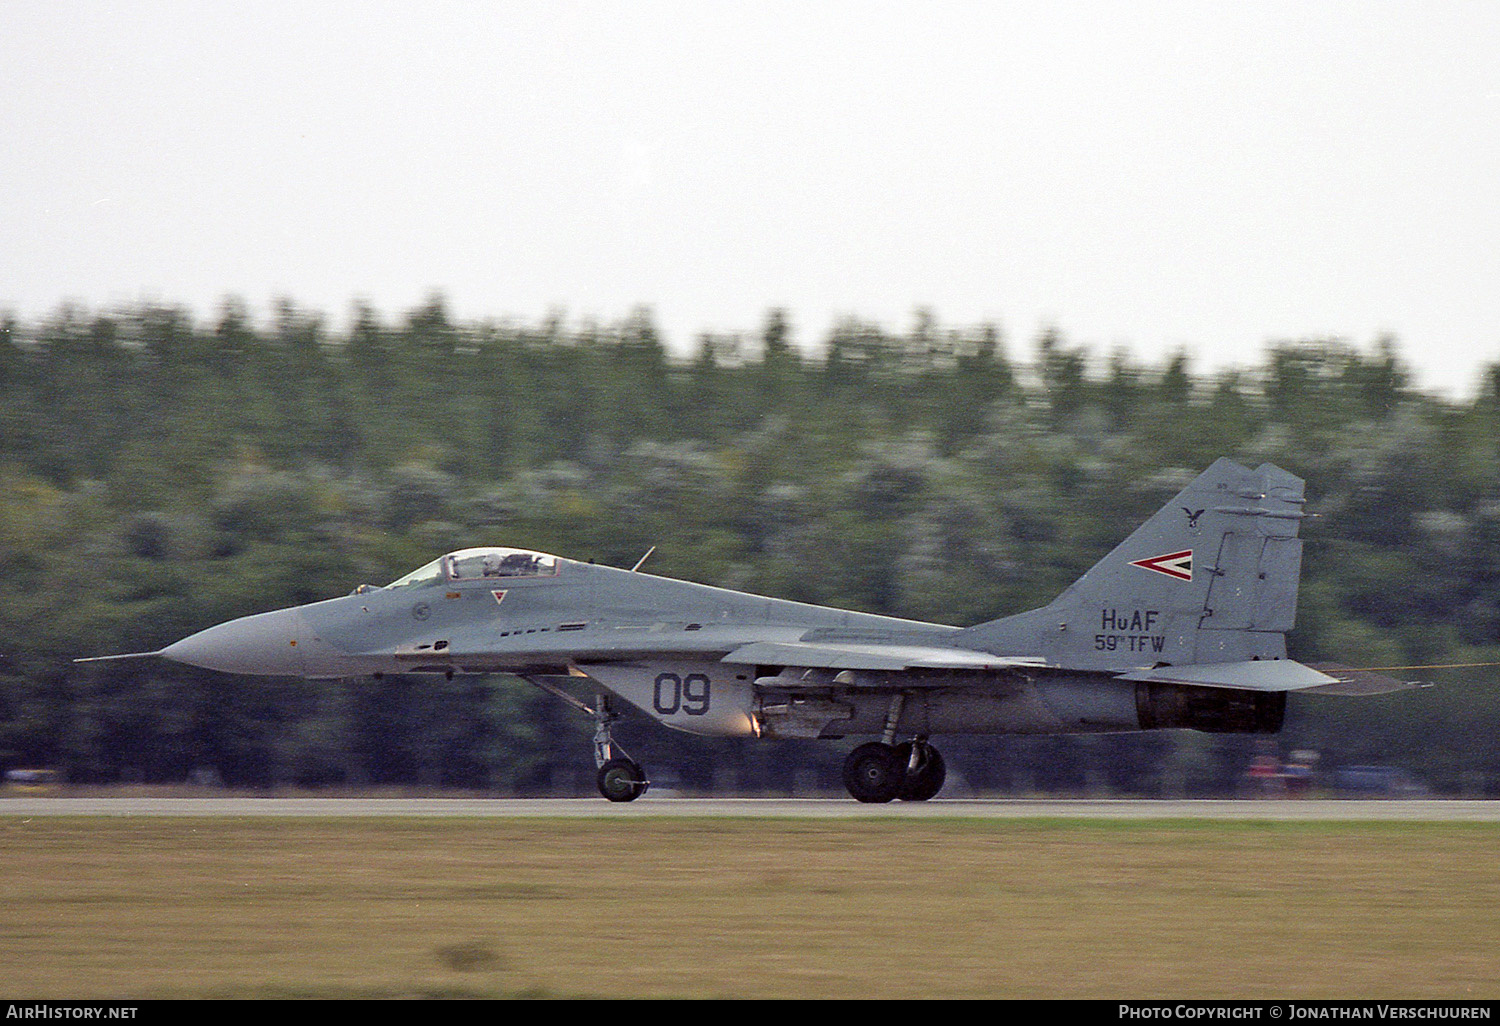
(878, 772)
(620, 778)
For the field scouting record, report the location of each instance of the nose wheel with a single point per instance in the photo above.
(877, 772)
(622, 780)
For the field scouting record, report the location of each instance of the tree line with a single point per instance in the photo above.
(159, 474)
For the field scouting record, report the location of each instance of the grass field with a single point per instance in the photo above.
(140, 908)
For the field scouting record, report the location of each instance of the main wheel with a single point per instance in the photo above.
(621, 780)
(874, 773)
(927, 779)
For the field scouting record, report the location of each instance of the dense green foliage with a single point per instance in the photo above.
(159, 475)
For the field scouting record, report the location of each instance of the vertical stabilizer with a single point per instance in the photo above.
(1211, 578)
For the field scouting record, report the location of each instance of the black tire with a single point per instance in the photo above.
(929, 776)
(621, 780)
(873, 773)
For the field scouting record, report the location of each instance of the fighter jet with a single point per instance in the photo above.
(1182, 625)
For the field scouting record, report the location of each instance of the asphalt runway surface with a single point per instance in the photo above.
(1429, 810)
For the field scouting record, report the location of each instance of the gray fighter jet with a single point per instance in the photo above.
(1183, 625)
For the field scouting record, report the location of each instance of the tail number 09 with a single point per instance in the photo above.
(680, 694)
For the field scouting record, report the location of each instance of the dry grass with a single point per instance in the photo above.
(872, 909)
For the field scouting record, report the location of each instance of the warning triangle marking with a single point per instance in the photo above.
(1177, 565)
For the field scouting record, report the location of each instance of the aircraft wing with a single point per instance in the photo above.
(477, 652)
(1273, 675)
(737, 644)
(865, 656)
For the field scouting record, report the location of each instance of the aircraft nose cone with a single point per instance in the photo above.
(266, 643)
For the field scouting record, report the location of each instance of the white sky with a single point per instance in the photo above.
(1152, 175)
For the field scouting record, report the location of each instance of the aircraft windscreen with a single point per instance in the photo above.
(429, 574)
(477, 564)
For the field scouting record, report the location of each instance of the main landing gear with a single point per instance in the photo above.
(913, 771)
(880, 771)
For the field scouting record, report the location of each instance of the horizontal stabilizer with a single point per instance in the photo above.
(1349, 681)
(848, 656)
(1252, 675)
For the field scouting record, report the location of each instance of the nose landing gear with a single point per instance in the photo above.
(620, 778)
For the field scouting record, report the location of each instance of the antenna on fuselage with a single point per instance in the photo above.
(643, 559)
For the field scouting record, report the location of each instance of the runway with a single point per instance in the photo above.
(1428, 810)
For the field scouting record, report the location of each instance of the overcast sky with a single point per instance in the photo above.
(1147, 175)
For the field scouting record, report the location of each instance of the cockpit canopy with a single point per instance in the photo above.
(479, 565)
